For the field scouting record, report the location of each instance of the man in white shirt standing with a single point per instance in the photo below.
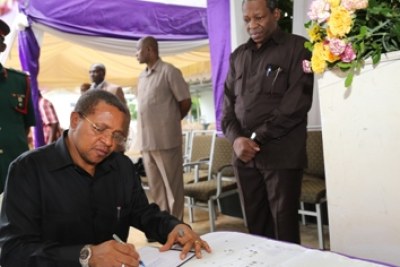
(163, 100)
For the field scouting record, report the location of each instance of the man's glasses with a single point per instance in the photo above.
(117, 137)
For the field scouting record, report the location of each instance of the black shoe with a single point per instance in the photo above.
(151, 240)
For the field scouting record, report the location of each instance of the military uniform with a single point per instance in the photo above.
(16, 116)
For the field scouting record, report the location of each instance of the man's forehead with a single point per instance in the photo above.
(97, 67)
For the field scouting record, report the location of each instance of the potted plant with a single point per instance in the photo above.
(344, 33)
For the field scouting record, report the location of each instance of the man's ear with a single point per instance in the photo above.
(277, 14)
(74, 119)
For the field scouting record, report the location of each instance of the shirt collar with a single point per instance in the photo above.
(154, 67)
(98, 86)
(277, 37)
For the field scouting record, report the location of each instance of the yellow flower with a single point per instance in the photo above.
(318, 63)
(334, 3)
(340, 21)
(314, 33)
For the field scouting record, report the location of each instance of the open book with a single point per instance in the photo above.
(152, 257)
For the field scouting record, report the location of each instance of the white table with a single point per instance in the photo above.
(244, 250)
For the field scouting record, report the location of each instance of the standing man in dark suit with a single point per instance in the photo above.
(267, 98)
(97, 73)
(16, 112)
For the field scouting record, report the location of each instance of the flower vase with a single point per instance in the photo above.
(361, 139)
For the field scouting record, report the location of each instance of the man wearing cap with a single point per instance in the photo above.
(16, 112)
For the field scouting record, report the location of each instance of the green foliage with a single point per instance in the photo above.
(133, 111)
(376, 30)
(286, 21)
(195, 108)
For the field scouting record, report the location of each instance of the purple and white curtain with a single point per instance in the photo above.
(115, 26)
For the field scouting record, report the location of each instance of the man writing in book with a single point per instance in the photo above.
(64, 202)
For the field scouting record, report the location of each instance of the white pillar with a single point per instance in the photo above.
(300, 9)
(238, 31)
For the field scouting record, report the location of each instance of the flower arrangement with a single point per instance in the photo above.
(344, 33)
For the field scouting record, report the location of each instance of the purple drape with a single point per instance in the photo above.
(220, 47)
(124, 19)
(29, 52)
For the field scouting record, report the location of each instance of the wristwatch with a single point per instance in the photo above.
(84, 256)
(254, 138)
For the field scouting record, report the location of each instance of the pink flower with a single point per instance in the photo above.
(337, 46)
(5, 6)
(348, 54)
(307, 66)
(319, 10)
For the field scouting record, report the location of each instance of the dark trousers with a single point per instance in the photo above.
(271, 202)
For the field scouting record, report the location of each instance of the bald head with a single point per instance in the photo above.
(150, 42)
(147, 50)
(97, 73)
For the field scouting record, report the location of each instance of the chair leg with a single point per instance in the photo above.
(190, 209)
(320, 226)
(303, 217)
(243, 212)
(211, 212)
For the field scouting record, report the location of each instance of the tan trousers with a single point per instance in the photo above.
(165, 174)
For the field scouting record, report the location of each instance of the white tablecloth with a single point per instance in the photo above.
(244, 250)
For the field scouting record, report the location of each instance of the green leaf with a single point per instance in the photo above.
(349, 79)
(344, 65)
(308, 45)
(376, 57)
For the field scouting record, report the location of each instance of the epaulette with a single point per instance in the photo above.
(20, 72)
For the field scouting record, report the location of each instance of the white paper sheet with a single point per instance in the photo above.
(152, 257)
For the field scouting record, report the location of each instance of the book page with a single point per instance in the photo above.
(152, 257)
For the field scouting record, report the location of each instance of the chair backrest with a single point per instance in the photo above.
(315, 155)
(221, 155)
(200, 144)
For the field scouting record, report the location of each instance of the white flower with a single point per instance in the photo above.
(353, 5)
(319, 11)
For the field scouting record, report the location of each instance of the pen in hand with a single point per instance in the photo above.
(119, 240)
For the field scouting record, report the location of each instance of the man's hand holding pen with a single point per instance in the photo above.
(115, 253)
(189, 240)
